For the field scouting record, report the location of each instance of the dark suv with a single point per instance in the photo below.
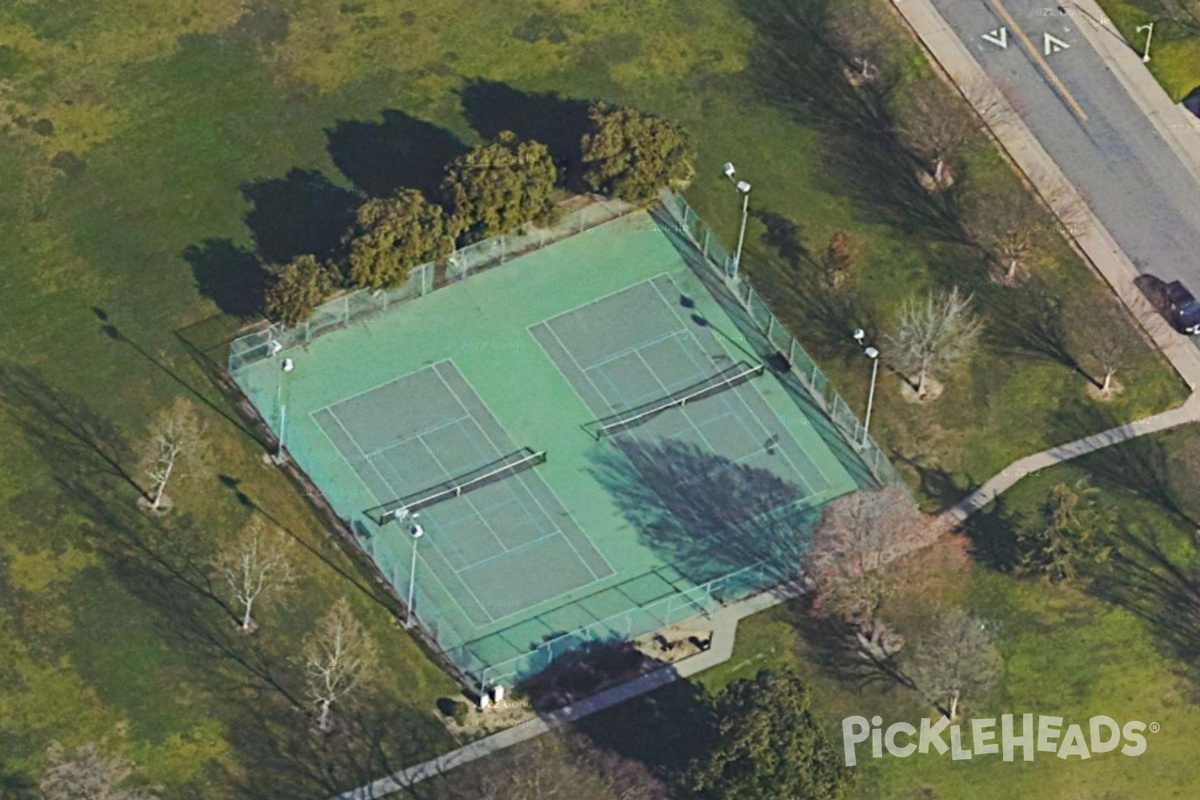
(1181, 308)
(1173, 301)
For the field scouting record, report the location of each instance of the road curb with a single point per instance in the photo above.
(1094, 240)
(1177, 127)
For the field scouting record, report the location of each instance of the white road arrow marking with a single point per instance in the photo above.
(997, 37)
(1052, 45)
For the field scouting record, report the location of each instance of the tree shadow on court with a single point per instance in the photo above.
(399, 151)
(302, 213)
(704, 514)
(546, 117)
(229, 275)
(800, 65)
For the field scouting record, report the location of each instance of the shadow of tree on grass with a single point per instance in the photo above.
(400, 151)
(555, 121)
(302, 213)
(229, 275)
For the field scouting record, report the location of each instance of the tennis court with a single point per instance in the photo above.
(427, 444)
(498, 409)
(659, 372)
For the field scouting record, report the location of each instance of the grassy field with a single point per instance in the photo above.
(1175, 55)
(1123, 646)
(156, 158)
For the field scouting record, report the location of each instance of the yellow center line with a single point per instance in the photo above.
(1036, 55)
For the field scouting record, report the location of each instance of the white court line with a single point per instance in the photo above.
(533, 495)
(742, 420)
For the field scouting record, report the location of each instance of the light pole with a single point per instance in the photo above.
(743, 189)
(1149, 29)
(870, 352)
(287, 365)
(416, 532)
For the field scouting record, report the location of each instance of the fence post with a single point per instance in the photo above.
(346, 311)
(307, 331)
(770, 325)
(792, 353)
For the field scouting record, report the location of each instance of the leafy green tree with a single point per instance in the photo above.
(769, 746)
(298, 288)
(1077, 529)
(498, 187)
(632, 155)
(392, 235)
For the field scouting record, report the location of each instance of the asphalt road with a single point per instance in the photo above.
(1088, 124)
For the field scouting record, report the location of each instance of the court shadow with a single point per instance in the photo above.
(229, 275)
(399, 151)
(546, 117)
(704, 514)
(302, 213)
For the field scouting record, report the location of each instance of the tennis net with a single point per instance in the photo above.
(728, 378)
(457, 486)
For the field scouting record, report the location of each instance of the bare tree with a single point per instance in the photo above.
(1011, 229)
(339, 657)
(256, 563)
(936, 125)
(175, 445)
(932, 336)
(1112, 347)
(861, 43)
(955, 659)
(858, 544)
(88, 774)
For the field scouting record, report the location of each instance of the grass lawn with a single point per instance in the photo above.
(1175, 54)
(1068, 652)
(154, 156)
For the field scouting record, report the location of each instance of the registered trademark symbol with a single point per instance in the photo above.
(1155, 727)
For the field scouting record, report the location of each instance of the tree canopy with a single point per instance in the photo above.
(392, 235)
(770, 746)
(497, 187)
(298, 288)
(633, 155)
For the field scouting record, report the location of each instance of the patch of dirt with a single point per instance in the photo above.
(933, 390)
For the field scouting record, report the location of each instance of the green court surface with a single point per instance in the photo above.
(677, 473)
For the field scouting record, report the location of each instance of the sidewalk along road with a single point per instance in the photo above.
(1095, 131)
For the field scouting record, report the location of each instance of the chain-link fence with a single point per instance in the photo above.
(459, 265)
(625, 626)
(769, 326)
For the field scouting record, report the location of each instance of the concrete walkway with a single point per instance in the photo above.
(1097, 245)
(1187, 413)
(725, 622)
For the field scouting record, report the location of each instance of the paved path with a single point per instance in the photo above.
(1098, 246)
(1187, 413)
(725, 622)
